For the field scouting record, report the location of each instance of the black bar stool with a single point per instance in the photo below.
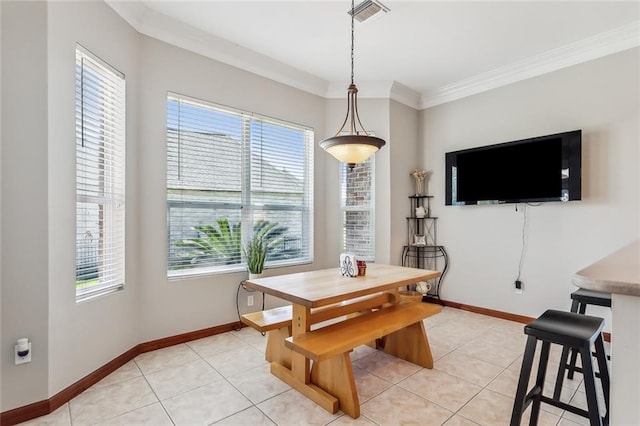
(568, 329)
(583, 297)
(579, 301)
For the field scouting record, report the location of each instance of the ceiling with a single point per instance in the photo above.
(421, 52)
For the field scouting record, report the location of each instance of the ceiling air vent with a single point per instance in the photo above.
(369, 9)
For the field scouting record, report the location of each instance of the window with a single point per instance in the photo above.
(357, 188)
(231, 174)
(100, 176)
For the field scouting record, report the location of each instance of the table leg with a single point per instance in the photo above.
(300, 325)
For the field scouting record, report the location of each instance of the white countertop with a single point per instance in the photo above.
(618, 273)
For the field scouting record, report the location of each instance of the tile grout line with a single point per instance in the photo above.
(253, 405)
(157, 397)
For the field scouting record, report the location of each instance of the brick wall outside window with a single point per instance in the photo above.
(357, 205)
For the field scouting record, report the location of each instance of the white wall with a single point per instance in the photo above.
(600, 97)
(0, 205)
(24, 309)
(330, 177)
(84, 336)
(404, 146)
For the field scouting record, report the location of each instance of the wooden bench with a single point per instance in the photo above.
(399, 326)
(277, 321)
(271, 319)
(279, 317)
(338, 338)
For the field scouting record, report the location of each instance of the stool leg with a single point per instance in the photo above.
(575, 305)
(583, 308)
(562, 366)
(603, 368)
(519, 404)
(590, 386)
(579, 308)
(539, 387)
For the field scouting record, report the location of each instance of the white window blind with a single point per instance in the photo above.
(230, 174)
(100, 176)
(358, 202)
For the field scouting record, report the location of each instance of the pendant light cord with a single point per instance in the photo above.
(357, 145)
(353, 13)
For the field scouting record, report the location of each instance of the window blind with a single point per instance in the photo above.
(358, 202)
(229, 175)
(100, 176)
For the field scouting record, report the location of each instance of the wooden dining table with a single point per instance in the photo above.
(328, 289)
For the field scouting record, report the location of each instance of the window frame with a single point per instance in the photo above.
(245, 207)
(101, 127)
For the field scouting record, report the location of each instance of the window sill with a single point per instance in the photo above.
(202, 273)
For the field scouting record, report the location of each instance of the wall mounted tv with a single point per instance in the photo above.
(539, 169)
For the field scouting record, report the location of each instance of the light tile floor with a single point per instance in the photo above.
(224, 380)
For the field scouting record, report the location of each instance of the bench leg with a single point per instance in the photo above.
(410, 344)
(276, 350)
(335, 375)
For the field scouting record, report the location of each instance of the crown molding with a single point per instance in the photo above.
(375, 90)
(156, 25)
(405, 95)
(153, 24)
(600, 45)
(366, 89)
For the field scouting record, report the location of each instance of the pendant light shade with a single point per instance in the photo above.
(352, 149)
(352, 144)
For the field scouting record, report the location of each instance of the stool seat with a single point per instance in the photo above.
(565, 328)
(572, 331)
(590, 297)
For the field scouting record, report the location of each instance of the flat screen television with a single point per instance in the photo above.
(539, 169)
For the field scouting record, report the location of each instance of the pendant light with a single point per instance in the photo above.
(356, 144)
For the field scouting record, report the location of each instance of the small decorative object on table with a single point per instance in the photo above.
(348, 265)
(362, 268)
(420, 176)
(420, 212)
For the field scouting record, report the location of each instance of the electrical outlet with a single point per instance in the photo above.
(518, 286)
(23, 359)
(249, 300)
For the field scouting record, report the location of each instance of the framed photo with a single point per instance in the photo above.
(419, 240)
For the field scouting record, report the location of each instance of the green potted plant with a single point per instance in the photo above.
(255, 251)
